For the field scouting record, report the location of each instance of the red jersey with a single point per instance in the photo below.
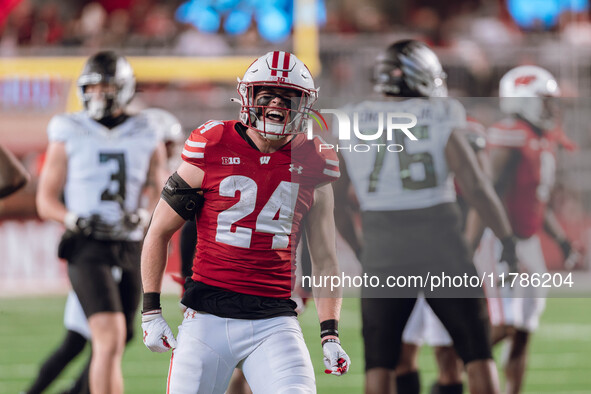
(533, 179)
(476, 135)
(250, 223)
(475, 127)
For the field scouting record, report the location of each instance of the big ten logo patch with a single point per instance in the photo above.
(230, 160)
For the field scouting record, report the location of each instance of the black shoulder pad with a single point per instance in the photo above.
(184, 199)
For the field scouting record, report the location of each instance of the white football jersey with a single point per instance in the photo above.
(107, 168)
(400, 173)
(169, 131)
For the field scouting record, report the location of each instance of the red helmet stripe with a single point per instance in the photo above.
(286, 56)
(274, 63)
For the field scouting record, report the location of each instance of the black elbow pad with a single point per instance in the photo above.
(184, 199)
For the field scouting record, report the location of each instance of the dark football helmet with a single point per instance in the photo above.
(409, 68)
(111, 69)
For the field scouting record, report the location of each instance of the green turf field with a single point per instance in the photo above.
(30, 328)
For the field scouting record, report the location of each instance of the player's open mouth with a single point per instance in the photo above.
(275, 116)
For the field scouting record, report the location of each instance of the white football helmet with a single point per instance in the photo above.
(283, 70)
(168, 126)
(530, 92)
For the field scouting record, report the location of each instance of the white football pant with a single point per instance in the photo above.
(520, 306)
(424, 326)
(74, 317)
(271, 353)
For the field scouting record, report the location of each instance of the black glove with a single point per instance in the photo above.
(140, 218)
(94, 227)
(358, 253)
(565, 246)
(509, 255)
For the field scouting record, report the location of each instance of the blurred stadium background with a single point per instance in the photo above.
(187, 55)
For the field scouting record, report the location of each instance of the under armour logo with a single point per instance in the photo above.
(145, 335)
(191, 314)
(293, 168)
(265, 159)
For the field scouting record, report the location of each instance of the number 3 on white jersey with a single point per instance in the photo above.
(282, 200)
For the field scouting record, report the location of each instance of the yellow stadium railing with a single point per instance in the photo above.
(165, 68)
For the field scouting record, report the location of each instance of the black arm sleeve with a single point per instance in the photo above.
(184, 199)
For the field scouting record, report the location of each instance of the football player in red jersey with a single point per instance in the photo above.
(259, 176)
(523, 166)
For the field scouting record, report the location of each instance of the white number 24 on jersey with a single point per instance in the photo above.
(282, 201)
